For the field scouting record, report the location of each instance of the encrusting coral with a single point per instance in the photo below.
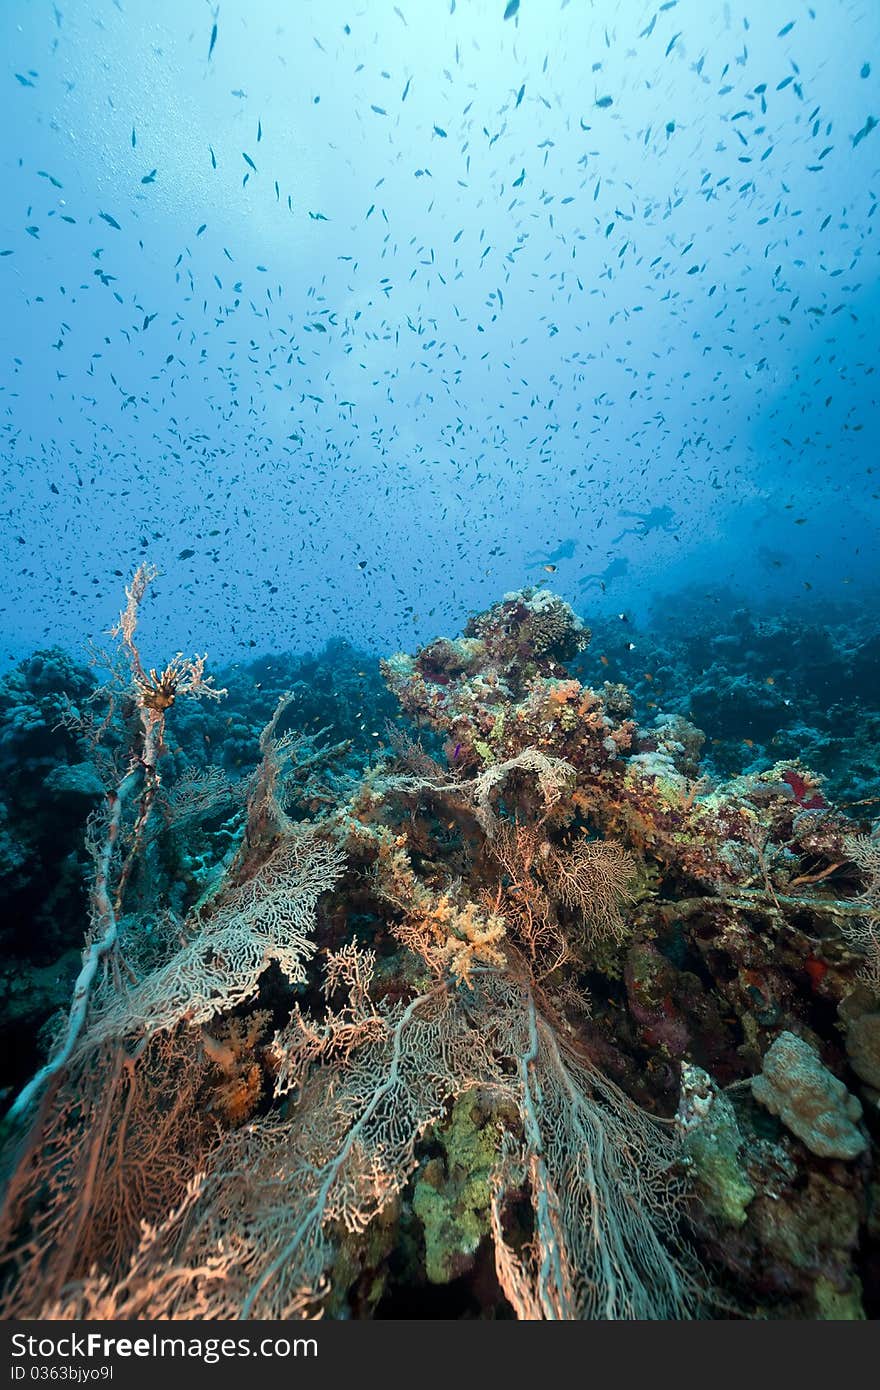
(474, 1010)
(809, 1099)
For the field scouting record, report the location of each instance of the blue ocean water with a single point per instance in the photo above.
(348, 319)
(339, 325)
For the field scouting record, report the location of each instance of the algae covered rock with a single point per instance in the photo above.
(75, 783)
(807, 1238)
(837, 1305)
(712, 1144)
(452, 1199)
(809, 1100)
(863, 1047)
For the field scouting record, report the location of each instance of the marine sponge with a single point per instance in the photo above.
(809, 1100)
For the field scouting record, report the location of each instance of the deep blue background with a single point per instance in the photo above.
(489, 284)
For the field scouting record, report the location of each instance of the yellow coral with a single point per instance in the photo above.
(470, 937)
(232, 1053)
(444, 932)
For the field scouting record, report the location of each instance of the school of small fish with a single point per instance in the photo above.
(353, 319)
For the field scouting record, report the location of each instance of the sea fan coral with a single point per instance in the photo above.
(594, 880)
(258, 1097)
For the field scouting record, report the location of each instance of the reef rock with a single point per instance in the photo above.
(809, 1099)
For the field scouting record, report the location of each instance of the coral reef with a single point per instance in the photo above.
(801, 683)
(525, 1008)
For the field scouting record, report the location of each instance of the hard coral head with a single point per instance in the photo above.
(531, 625)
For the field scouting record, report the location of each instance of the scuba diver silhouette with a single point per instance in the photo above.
(563, 551)
(657, 519)
(611, 571)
